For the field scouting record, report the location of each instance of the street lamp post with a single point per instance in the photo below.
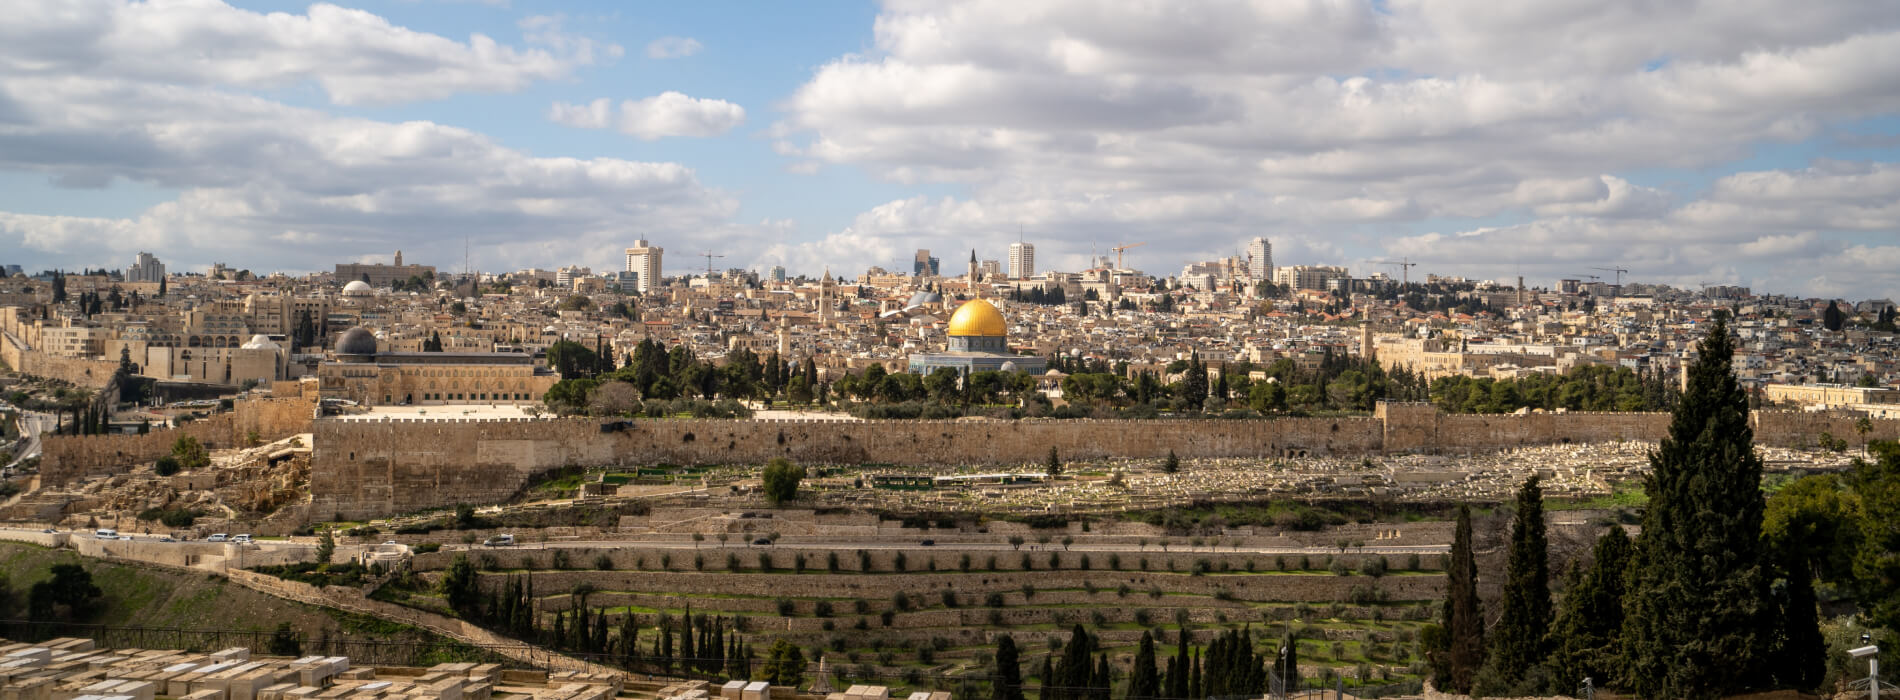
(1872, 682)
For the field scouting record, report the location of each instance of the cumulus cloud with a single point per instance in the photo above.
(673, 47)
(354, 56)
(660, 116)
(1345, 122)
(296, 188)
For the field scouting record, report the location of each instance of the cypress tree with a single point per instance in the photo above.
(1099, 681)
(1517, 642)
(1696, 623)
(1194, 677)
(1142, 679)
(1048, 678)
(1287, 664)
(1464, 616)
(1178, 670)
(1589, 627)
(1007, 682)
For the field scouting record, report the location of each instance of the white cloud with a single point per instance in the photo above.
(673, 47)
(1202, 125)
(354, 56)
(660, 116)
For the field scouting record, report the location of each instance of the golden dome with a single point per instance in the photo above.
(978, 318)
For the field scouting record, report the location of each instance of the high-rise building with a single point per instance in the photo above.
(145, 268)
(1307, 276)
(644, 260)
(992, 269)
(1022, 260)
(778, 273)
(1260, 259)
(923, 264)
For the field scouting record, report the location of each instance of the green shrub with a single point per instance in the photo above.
(427, 547)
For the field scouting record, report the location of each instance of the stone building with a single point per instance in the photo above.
(360, 373)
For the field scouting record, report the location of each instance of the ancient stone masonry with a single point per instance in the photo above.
(66, 457)
(378, 468)
(91, 374)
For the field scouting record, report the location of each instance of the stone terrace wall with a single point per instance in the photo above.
(66, 457)
(92, 374)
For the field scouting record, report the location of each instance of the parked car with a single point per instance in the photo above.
(106, 533)
(220, 537)
(762, 540)
(499, 541)
(928, 543)
(242, 539)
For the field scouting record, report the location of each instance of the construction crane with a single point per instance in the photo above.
(708, 255)
(1405, 268)
(1118, 253)
(1618, 270)
(1593, 278)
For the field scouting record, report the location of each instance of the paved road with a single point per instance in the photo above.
(32, 425)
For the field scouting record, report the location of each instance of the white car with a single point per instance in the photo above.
(242, 539)
(220, 537)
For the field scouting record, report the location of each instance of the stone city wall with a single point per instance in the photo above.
(364, 469)
(375, 468)
(65, 457)
(91, 374)
(1804, 428)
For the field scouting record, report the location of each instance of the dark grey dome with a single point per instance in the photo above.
(356, 341)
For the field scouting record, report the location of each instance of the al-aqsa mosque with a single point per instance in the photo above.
(978, 343)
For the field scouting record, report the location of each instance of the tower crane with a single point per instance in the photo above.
(708, 255)
(1118, 253)
(1618, 270)
(1405, 268)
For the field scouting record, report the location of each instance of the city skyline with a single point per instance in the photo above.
(1484, 146)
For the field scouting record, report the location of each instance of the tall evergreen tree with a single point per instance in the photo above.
(1178, 669)
(1588, 630)
(1517, 642)
(1048, 679)
(1697, 624)
(1007, 682)
(1143, 681)
(1288, 663)
(1463, 651)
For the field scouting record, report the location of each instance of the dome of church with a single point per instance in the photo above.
(357, 288)
(977, 317)
(356, 341)
(259, 342)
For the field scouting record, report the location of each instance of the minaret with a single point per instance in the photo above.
(784, 336)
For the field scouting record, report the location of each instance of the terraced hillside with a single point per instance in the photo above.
(900, 617)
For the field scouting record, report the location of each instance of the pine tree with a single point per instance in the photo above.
(1588, 630)
(1007, 682)
(1142, 679)
(1464, 617)
(1696, 623)
(1517, 642)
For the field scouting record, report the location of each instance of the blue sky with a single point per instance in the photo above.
(1740, 143)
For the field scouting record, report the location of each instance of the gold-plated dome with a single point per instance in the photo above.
(977, 317)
